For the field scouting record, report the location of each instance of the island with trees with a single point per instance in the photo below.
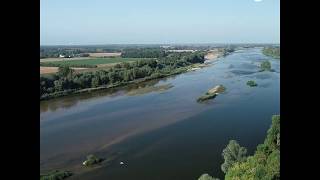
(212, 93)
(265, 66)
(272, 52)
(252, 83)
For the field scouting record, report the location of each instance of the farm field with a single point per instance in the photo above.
(104, 54)
(63, 59)
(92, 61)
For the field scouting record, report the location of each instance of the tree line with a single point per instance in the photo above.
(66, 81)
(264, 164)
(50, 64)
(143, 53)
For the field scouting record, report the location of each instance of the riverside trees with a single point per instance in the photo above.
(65, 81)
(264, 164)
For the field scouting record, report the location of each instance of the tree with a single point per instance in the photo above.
(207, 177)
(273, 135)
(233, 153)
(95, 82)
(265, 163)
(65, 71)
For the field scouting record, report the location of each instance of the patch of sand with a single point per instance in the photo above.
(213, 54)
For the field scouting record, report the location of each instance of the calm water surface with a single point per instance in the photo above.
(157, 128)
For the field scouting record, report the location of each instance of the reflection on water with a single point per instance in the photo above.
(159, 134)
(242, 72)
(148, 89)
(131, 89)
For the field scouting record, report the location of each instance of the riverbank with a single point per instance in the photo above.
(192, 67)
(213, 54)
(140, 128)
(88, 90)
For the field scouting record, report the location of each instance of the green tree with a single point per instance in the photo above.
(95, 82)
(233, 153)
(65, 71)
(265, 163)
(273, 134)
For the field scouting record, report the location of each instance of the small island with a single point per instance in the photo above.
(55, 175)
(252, 83)
(212, 93)
(272, 52)
(92, 160)
(265, 66)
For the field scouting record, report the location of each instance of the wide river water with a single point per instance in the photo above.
(157, 128)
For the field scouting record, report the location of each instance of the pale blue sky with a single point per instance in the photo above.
(64, 22)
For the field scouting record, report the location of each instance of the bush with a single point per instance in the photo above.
(252, 83)
(92, 160)
(233, 153)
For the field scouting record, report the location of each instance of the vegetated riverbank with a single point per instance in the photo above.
(264, 164)
(65, 82)
(86, 124)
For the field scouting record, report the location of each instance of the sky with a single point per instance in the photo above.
(85, 22)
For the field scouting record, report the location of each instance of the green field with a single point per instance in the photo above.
(88, 62)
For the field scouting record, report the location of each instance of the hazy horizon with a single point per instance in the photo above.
(99, 22)
(154, 44)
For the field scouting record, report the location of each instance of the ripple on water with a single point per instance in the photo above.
(242, 72)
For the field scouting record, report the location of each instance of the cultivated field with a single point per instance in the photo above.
(92, 61)
(104, 54)
(63, 59)
(83, 64)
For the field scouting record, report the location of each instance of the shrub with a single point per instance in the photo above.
(252, 83)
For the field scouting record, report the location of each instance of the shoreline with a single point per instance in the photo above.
(192, 67)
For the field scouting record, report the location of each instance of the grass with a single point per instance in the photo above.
(89, 62)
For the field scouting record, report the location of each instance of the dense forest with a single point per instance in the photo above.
(143, 53)
(272, 51)
(66, 81)
(264, 164)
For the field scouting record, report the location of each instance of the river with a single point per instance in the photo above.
(157, 128)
